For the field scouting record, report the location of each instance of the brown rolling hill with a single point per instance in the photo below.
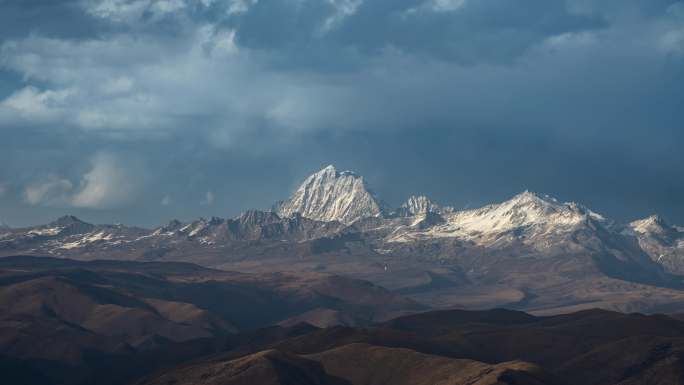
(269, 367)
(355, 364)
(66, 322)
(587, 347)
(475, 347)
(362, 364)
(68, 318)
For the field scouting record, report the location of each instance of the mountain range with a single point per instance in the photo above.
(333, 287)
(531, 252)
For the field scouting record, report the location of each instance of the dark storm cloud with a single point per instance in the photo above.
(140, 111)
(463, 31)
(56, 18)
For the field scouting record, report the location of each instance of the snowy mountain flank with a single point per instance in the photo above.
(529, 245)
(528, 213)
(662, 241)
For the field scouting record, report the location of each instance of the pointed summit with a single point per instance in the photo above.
(329, 195)
(531, 198)
(173, 225)
(68, 220)
(418, 205)
(544, 204)
(653, 224)
(70, 225)
(328, 169)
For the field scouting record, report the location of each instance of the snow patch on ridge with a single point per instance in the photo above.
(46, 232)
(652, 224)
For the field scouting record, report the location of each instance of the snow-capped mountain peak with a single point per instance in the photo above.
(329, 195)
(528, 196)
(653, 224)
(526, 209)
(663, 242)
(532, 213)
(67, 220)
(418, 205)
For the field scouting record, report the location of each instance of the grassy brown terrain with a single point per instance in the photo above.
(478, 347)
(72, 319)
(120, 322)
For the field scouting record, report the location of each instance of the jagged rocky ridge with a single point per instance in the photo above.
(420, 205)
(71, 236)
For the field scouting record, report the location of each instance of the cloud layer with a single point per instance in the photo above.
(108, 183)
(209, 95)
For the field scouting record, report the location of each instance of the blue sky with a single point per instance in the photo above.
(139, 111)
